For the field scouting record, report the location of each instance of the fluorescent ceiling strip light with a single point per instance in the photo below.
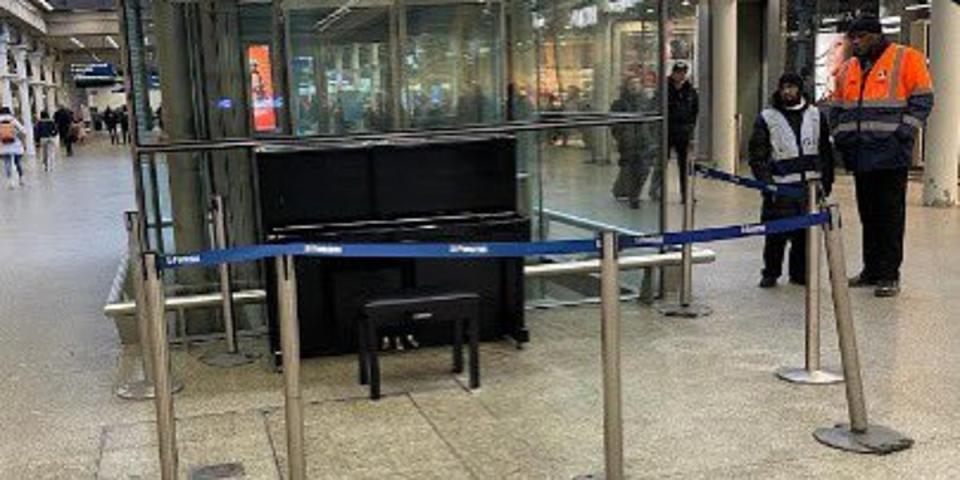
(77, 42)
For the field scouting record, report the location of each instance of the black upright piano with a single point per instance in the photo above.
(452, 190)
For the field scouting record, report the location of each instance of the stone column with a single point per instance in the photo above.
(36, 80)
(20, 53)
(6, 92)
(943, 131)
(51, 86)
(723, 50)
(774, 48)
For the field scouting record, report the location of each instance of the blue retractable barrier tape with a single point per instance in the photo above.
(483, 250)
(785, 190)
(726, 233)
(374, 250)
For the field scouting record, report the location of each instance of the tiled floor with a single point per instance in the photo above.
(700, 400)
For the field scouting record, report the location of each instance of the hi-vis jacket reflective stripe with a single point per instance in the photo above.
(875, 117)
(793, 160)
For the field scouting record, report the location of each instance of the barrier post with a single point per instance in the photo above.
(166, 423)
(290, 351)
(685, 307)
(811, 374)
(857, 436)
(610, 340)
(233, 357)
(136, 244)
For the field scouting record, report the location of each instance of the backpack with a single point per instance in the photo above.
(8, 132)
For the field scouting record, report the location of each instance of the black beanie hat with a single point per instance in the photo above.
(865, 24)
(791, 79)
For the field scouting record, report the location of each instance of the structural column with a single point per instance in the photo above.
(773, 47)
(50, 83)
(36, 80)
(943, 131)
(23, 88)
(723, 53)
(6, 91)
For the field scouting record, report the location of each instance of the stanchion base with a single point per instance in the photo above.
(876, 440)
(142, 390)
(590, 476)
(228, 359)
(806, 377)
(692, 310)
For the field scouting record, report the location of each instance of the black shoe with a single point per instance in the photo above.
(887, 288)
(798, 281)
(768, 282)
(861, 281)
(634, 203)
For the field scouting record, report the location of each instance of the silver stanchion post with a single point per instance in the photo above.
(685, 307)
(290, 350)
(140, 389)
(812, 374)
(166, 423)
(233, 357)
(857, 436)
(610, 339)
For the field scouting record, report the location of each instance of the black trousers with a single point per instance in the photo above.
(680, 143)
(882, 203)
(774, 249)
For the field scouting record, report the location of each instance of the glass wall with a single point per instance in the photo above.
(577, 81)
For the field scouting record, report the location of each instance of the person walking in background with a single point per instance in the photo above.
(45, 133)
(883, 97)
(12, 136)
(683, 106)
(63, 117)
(637, 143)
(124, 119)
(110, 118)
(790, 145)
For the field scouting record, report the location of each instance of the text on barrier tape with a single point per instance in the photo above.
(785, 190)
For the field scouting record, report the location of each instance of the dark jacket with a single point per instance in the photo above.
(45, 128)
(111, 118)
(636, 141)
(63, 118)
(683, 106)
(761, 160)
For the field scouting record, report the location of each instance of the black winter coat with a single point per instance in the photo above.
(778, 206)
(683, 106)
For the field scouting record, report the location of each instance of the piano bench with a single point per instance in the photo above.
(411, 310)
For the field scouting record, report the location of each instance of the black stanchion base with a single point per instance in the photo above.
(142, 390)
(692, 310)
(590, 476)
(876, 440)
(806, 377)
(228, 359)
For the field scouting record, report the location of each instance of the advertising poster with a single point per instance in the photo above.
(261, 88)
(833, 50)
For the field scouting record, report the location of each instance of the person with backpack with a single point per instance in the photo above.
(45, 133)
(12, 136)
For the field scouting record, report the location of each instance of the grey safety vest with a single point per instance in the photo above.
(794, 161)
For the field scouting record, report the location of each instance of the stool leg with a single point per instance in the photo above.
(364, 351)
(373, 362)
(458, 345)
(474, 352)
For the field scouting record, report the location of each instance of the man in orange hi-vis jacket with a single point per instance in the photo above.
(883, 96)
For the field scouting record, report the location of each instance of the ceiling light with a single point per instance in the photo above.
(46, 5)
(921, 6)
(77, 42)
(112, 42)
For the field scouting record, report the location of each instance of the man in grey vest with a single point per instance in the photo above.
(790, 145)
